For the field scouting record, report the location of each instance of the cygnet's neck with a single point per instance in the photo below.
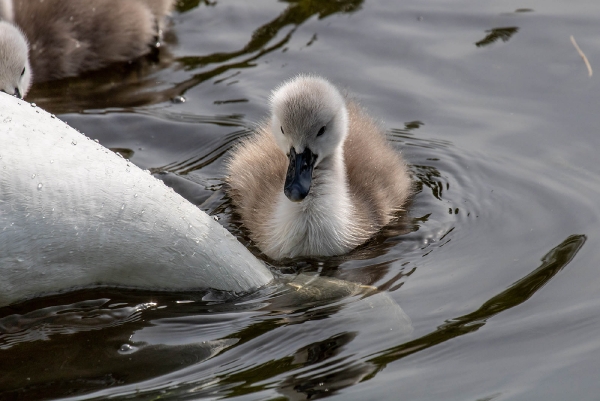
(321, 224)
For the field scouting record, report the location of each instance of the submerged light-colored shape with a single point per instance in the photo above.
(74, 214)
(359, 182)
(68, 37)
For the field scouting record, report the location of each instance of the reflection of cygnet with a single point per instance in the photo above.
(15, 72)
(67, 37)
(343, 182)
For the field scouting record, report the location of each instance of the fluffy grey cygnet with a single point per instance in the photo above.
(64, 38)
(317, 179)
(15, 71)
(6, 10)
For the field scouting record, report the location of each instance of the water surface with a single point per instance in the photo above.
(495, 265)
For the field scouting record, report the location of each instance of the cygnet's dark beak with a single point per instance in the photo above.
(18, 93)
(299, 174)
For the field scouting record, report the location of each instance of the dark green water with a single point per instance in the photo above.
(496, 265)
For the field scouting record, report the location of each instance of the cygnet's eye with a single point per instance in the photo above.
(23, 72)
(282, 131)
(321, 131)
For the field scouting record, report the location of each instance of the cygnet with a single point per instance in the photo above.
(15, 71)
(63, 38)
(319, 177)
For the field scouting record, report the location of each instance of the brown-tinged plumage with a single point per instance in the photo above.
(68, 37)
(357, 182)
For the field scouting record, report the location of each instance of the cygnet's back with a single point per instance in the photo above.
(67, 37)
(377, 176)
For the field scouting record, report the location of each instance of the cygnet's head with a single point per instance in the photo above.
(15, 71)
(7, 10)
(309, 121)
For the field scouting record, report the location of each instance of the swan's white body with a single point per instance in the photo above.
(73, 214)
(348, 181)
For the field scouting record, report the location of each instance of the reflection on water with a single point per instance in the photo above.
(552, 263)
(187, 5)
(43, 323)
(196, 162)
(493, 35)
(167, 342)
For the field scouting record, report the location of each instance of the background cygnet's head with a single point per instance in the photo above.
(15, 71)
(310, 123)
(7, 12)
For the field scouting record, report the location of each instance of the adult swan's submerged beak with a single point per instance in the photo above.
(299, 174)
